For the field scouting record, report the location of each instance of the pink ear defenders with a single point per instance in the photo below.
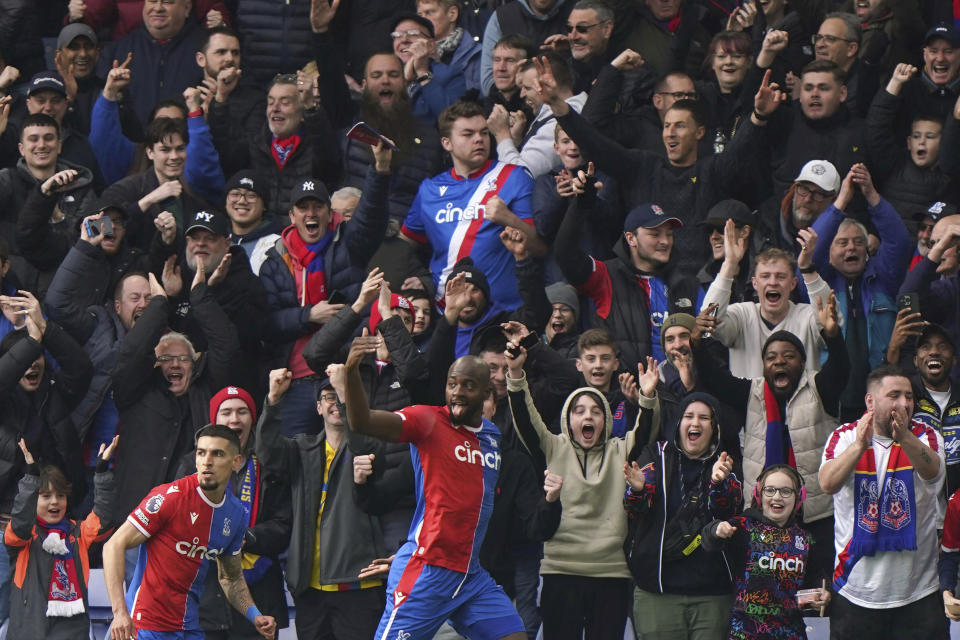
(801, 497)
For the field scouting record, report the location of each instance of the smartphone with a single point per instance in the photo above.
(909, 301)
(714, 310)
(94, 226)
(363, 132)
(526, 342)
(336, 297)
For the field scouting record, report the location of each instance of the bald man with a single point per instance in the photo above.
(456, 460)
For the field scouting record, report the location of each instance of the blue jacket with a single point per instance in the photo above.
(345, 264)
(159, 71)
(446, 87)
(115, 151)
(881, 279)
(466, 60)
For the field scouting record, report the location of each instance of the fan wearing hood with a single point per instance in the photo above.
(585, 577)
(674, 489)
(768, 531)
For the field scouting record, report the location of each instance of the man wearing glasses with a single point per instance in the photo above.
(814, 189)
(587, 36)
(432, 85)
(252, 228)
(838, 40)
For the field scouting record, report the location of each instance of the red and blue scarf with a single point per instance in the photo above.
(254, 566)
(885, 518)
(283, 149)
(779, 448)
(64, 598)
(306, 264)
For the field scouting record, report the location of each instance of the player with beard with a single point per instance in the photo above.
(436, 575)
(790, 412)
(163, 600)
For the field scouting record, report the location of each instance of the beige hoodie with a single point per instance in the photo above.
(589, 541)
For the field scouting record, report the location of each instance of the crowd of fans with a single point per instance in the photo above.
(703, 245)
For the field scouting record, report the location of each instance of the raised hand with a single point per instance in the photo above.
(156, 289)
(565, 184)
(734, 247)
(227, 81)
(865, 430)
(580, 182)
(221, 271)
(382, 156)
(362, 468)
(633, 476)
(707, 322)
(214, 19)
(383, 300)
(32, 314)
(338, 379)
(369, 291)
(322, 13)
(5, 112)
(629, 387)
(106, 451)
(725, 530)
(514, 331)
(118, 78)
(26, 452)
(827, 315)
(499, 121)
(193, 98)
(166, 224)
(546, 87)
(863, 180)
(767, 98)
(773, 43)
(456, 296)
(58, 181)
(76, 9)
(199, 275)
(648, 378)
(556, 42)
(901, 75)
(8, 76)
(808, 244)
(362, 346)
(909, 323)
(279, 384)
(85, 235)
(516, 243)
(68, 73)
(721, 468)
(552, 484)
(518, 124)
(742, 18)
(846, 192)
(516, 356)
(172, 283)
(627, 60)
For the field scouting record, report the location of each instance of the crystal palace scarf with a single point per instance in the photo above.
(64, 598)
(779, 448)
(254, 566)
(885, 517)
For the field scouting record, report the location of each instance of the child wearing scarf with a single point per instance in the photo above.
(769, 552)
(49, 590)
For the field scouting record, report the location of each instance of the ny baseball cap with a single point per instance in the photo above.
(73, 31)
(932, 328)
(944, 31)
(409, 15)
(821, 173)
(648, 216)
(47, 81)
(211, 220)
(311, 188)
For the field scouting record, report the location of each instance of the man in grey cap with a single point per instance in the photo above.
(76, 58)
(562, 330)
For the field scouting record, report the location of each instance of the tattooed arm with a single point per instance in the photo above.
(230, 574)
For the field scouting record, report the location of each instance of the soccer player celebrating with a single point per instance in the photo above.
(436, 574)
(183, 526)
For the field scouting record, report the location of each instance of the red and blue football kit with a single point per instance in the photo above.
(185, 533)
(448, 214)
(437, 575)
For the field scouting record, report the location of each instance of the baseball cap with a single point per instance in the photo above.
(311, 188)
(945, 31)
(821, 173)
(250, 180)
(47, 81)
(409, 15)
(648, 216)
(211, 220)
(103, 203)
(729, 210)
(937, 210)
(73, 31)
(932, 328)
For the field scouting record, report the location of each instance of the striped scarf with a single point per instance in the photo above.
(779, 448)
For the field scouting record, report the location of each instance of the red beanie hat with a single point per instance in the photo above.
(396, 302)
(228, 393)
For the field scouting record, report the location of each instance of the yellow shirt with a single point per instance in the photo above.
(331, 453)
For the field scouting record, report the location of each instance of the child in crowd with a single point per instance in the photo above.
(49, 591)
(770, 551)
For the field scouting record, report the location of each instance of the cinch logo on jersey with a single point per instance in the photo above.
(466, 453)
(455, 214)
(771, 561)
(197, 549)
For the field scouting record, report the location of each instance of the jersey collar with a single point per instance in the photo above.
(476, 174)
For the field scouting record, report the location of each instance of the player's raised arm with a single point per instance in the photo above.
(125, 538)
(230, 575)
(385, 425)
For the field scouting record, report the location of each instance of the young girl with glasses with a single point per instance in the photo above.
(770, 550)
